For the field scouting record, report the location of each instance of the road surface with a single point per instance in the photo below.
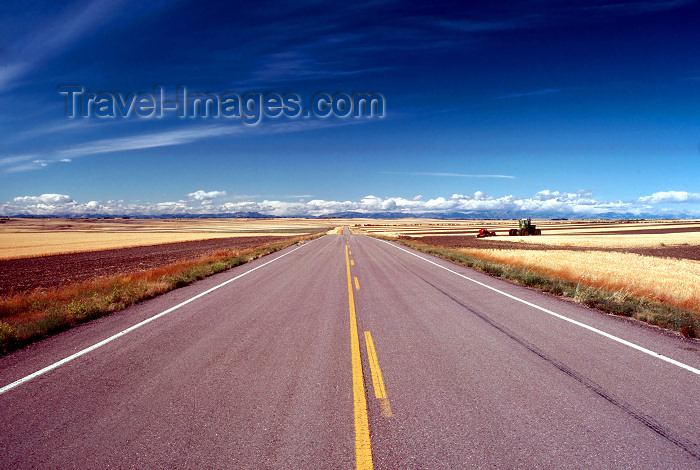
(351, 352)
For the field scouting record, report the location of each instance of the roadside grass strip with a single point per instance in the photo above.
(29, 317)
(615, 302)
(549, 312)
(136, 326)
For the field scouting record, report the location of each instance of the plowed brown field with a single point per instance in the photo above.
(673, 251)
(26, 274)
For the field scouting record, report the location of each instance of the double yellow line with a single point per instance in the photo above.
(377, 379)
(363, 448)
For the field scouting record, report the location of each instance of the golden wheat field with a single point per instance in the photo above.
(665, 280)
(602, 240)
(23, 238)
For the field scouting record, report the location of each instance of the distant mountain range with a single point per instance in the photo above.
(366, 215)
(491, 215)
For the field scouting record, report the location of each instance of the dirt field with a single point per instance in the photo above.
(54, 252)
(431, 227)
(691, 252)
(23, 238)
(26, 274)
(673, 239)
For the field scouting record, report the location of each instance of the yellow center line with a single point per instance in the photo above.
(352, 262)
(363, 448)
(377, 379)
(357, 284)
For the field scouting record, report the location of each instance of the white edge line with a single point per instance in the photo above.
(132, 328)
(578, 323)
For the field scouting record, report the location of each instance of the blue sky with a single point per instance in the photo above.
(571, 109)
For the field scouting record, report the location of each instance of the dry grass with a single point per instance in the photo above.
(27, 317)
(336, 231)
(618, 302)
(670, 281)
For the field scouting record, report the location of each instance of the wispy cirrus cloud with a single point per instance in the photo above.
(6, 161)
(546, 91)
(20, 163)
(147, 141)
(46, 39)
(635, 7)
(10, 72)
(193, 134)
(62, 126)
(480, 26)
(455, 175)
(53, 37)
(181, 136)
(30, 165)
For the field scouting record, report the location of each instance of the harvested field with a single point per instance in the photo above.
(430, 227)
(669, 281)
(644, 269)
(690, 252)
(672, 239)
(605, 240)
(24, 238)
(29, 245)
(26, 274)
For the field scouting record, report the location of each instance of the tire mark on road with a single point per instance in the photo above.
(688, 446)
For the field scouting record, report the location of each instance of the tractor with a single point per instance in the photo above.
(483, 233)
(525, 227)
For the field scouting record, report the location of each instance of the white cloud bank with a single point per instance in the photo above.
(202, 195)
(55, 199)
(670, 197)
(544, 203)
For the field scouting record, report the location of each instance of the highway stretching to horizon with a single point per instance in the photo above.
(352, 352)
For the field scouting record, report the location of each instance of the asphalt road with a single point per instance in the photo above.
(350, 352)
